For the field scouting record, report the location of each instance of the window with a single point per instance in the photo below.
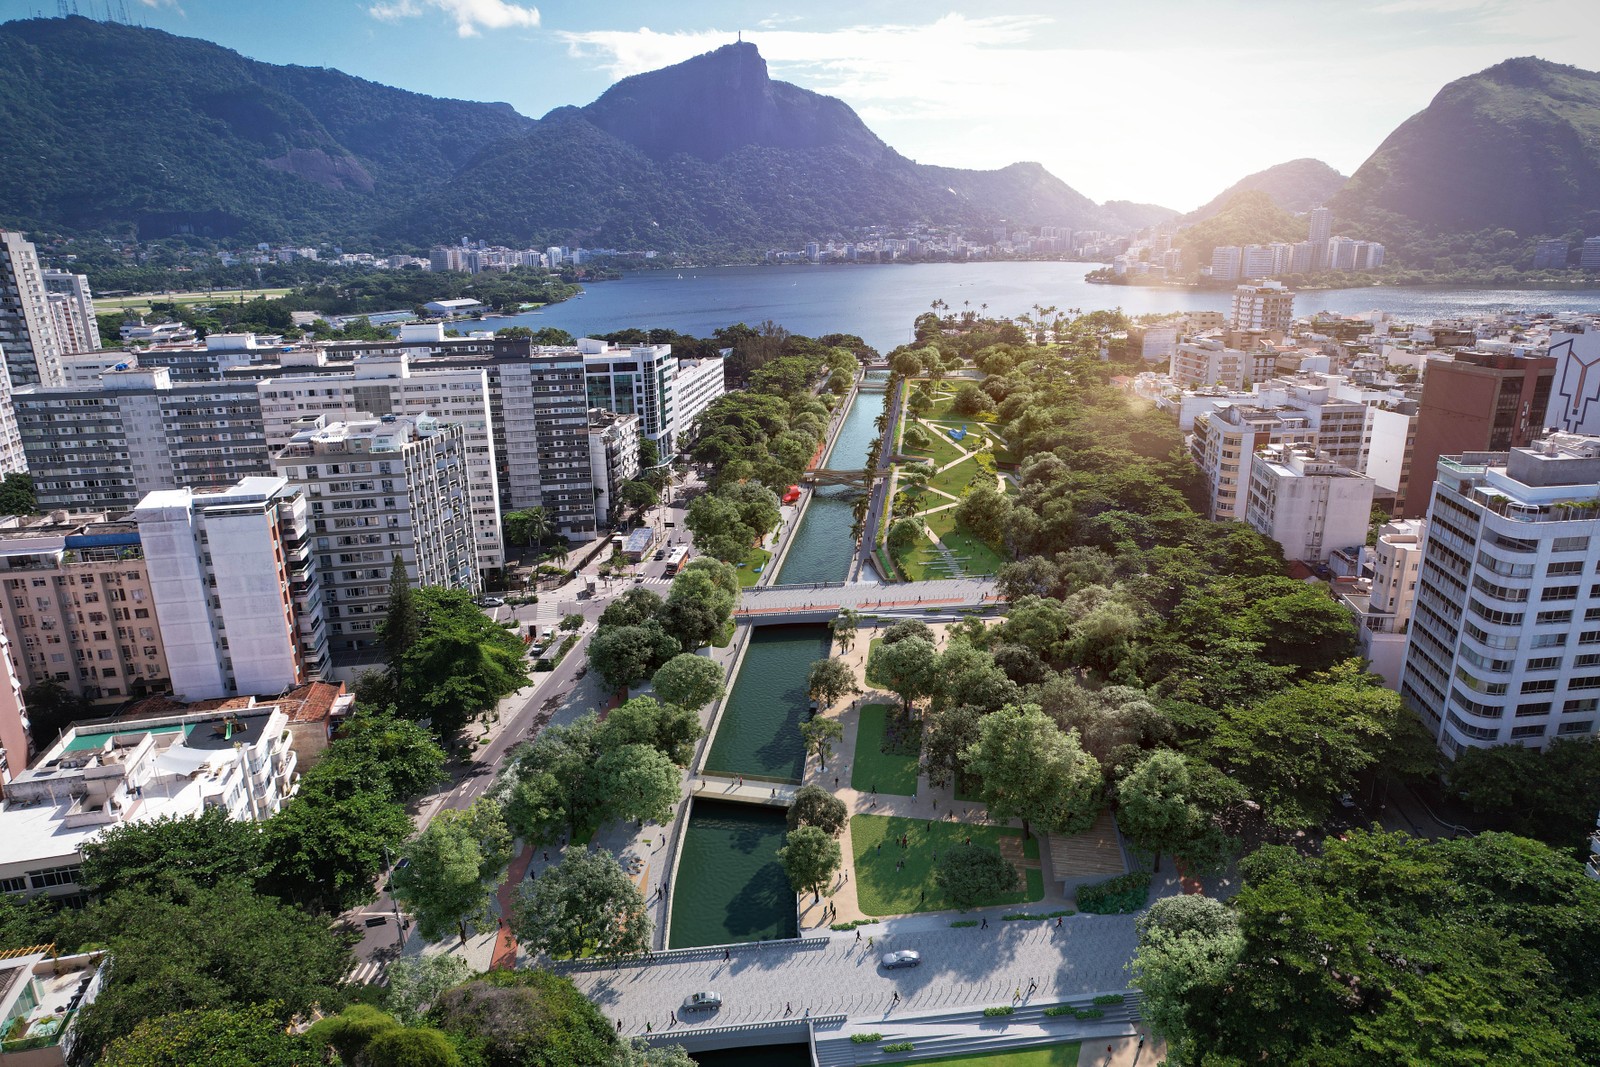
(1520, 732)
(1582, 727)
(1570, 544)
(13, 885)
(1583, 681)
(1539, 685)
(1581, 704)
(1544, 663)
(1548, 641)
(54, 876)
(1565, 567)
(1559, 592)
(1525, 711)
(1499, 592)
(1547, 617)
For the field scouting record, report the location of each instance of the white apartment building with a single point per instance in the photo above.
(13, 457)
(649, 381)
(101, 775)
(72, 307)
(1208, 361)
(15, 744)
(1575, 394)
(1505, 632)
(1306, 502)
(78, 598)
(1382, 597)
(1224, 446)
(1268, 307)
(27, 327)
(613, 455)
(236, 591)
(1225, 263)
(395, 384)
(380, 488)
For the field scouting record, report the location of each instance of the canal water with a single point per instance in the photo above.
(797, 1055)
(730, 886)
(823, 547)
(759, 732)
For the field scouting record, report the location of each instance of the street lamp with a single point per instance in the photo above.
(399, 928)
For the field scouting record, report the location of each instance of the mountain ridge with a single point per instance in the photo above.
(1296, 186)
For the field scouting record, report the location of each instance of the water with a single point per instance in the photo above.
(879, 301)
(798, 1055)
(760, 729)
(730, 885)
(822, 547)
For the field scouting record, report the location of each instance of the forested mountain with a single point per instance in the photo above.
(1296, 186)
(1513, 148)
(122, 129)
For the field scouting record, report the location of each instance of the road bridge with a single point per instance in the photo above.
(796, 603)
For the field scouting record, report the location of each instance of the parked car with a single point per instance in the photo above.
(903, 958)
(661, 553)
(489, 602)
(702, 1001)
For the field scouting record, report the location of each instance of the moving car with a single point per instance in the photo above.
(702, 1001)
(903, 958)
(490, 602)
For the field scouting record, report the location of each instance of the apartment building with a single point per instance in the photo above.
(649, 381)
(1383, 595)
(1307, 502)
(613, 455)
(1268, 307)
(1476, 402)
(378, 384)
(1208, 361)
(102, 448)
(98, 776)
(1505, 632)
(1224, 445)
(13, 457)
(378, 488)
(1226, 261)
(27, 327)
(236, 589)
(15, 744)
(72, 308)
(79, 601)
(1575, 388)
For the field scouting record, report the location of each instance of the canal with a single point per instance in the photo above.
(758, 733)
(823, 547)
(730, 886)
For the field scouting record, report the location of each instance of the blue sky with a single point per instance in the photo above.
(1164, 101)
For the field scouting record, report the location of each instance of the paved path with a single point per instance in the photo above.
(865, 596)
(967, 967)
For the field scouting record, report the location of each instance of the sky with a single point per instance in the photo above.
(1156, 101)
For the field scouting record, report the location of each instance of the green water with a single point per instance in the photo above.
(755, 1056)
(730, 885)
(759, 733)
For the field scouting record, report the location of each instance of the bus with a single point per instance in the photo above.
(675, 560)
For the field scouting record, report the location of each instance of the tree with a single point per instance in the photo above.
(688, 681)
(903, 533)
(351, 1031)
(412, 1046)
(810, 856)
(970, 401)
(637, 1053)
(148, 856)
(527, 527)
(972, 874)
(26, 920)
(669, 728)
(649, 454)
(820, 734)
(947, 734)
(571, 623)
(635, 607)
(987, 513)
(624, 654)
(52, 707)
(461, 664)
(586, 904)
(203, 948)
(244, 1036)
(632, 782)
(1153, 804)
(1187, 945)
(814, 806)
(844, 628)
(830, 681)
(580, 776)
(1032, 771)
(456, 863)
(397, 756)
(415, 983)
(399, 628)
(325, 848)
(637, 495)
(525, 1017)
(16, 495)
(906, 667)
(1543, 795)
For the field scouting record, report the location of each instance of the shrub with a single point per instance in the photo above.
(1109, 998)
(1005, 1010)
(1116, 896)
(852, 924)
(898, 1046)
(1088, 1013)
(866, 1039)
(965, 922)
(1061, 1009)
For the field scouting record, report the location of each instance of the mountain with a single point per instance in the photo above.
(1250, 217)
(1132, 216)
(1296, 186)
(112, 128)
(1513, 147)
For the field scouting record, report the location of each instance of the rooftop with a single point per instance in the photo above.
(44, 991)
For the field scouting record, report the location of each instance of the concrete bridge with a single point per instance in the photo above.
(767, 604)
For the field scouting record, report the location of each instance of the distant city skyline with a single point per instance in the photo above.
(1156, 101)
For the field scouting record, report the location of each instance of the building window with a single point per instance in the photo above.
(1525, 711)
(1581, 704)
(1584, 681)
(1570, 544)
(1559, 592)
(1522, 732)
(1564, 568)
(1581, 727)
(54, 876)
(1545, 663)
(1548, 641)
(1547, 617)
(1539, 685)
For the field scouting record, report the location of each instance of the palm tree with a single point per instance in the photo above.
(538, 524)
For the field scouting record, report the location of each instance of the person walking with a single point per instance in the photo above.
(985, 925)
(858, 937)
(647, 1027)
(1058, 922)
(727, 954)
(1016, 995)
(788, 1009)
(672, 1019)
(869, 942)
(896, 997)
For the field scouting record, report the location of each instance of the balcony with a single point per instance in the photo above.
(1592, 868)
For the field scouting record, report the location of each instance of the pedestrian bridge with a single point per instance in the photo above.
(807, 603)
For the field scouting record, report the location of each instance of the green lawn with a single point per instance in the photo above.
(942, 451)
(758, 557)
(954, 479)
(975, 556)
(1065, 1055)
(875, 769)
(882, 890)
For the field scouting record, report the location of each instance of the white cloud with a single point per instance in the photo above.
(470, 15)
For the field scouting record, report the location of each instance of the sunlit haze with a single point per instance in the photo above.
(1164, 102)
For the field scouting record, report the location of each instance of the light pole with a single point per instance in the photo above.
(399, 927)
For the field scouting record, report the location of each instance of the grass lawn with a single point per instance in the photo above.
(955, 479)
(758, 557)
(1065, 1055)
(975, 556)
(874, 768)
(942, 451)
(921, 561)
(882, 890)
(102, 305)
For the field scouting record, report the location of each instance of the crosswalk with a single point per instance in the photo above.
(369, 972)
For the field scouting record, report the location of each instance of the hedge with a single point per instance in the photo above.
(1116, 896)
(866, 1039)
(898, 1046)
(1006, 1010)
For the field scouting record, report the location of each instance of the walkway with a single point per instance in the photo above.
(882, 492)
(947, 593)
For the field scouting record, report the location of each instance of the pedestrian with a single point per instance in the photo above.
(774, 790)
(647, 1026)
(858, 937)
(1058, 922)
(880, 848)
(836, 781)
(1017, 995)
(619, 1026)
(808, 1011)
(788, 1009)
(924, 897)
(869, 942)
(935, 803)
(985, 925)
(726, 954)
(547, 857)
(1032, 985)
(673, 1017)
(896, 996)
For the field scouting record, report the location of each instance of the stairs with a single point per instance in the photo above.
(972, 1032)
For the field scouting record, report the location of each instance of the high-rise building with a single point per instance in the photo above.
(13, 457)
(72, 307)
(1341, 254)
(1268, 306)
(1505, 633)
(377, 489)
(613, 455)
(15, 744)
(1476, 402)
(1258, 261)
(79, 599)
(1551, 254)
(27, 328)
(1383, 596)
(1306, 502)
(235, 587)
(1225, 263)
(103, 447)
(1321, 224)
(1575, 396)
(1224, 446)
(649, 381)
(1589, 256)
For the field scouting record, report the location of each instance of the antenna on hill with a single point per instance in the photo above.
(741, 37)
